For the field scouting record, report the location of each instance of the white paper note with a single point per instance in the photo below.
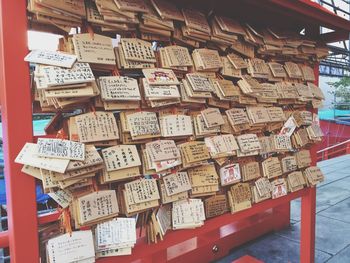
(52, 58)
(29, 156)
(77, 247)
(116, 233)
(61, 149)
(56, 76)
(62, 197)
(119, 88)
(164, 218)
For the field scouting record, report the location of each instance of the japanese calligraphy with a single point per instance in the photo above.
(121, 157)
(62, 149)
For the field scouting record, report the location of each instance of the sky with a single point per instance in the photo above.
(342, 4)
(40, 40)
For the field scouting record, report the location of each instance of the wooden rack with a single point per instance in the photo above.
(207, 243)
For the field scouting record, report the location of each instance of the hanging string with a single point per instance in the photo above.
(90, 31)
(219, 76)
(115, 72)
(174, 110)
(65, 220)
(61, 134)
(93, 109)
(94, 185)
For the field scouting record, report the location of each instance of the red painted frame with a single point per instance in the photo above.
(187, 245)
(16, 111)
(334, 151)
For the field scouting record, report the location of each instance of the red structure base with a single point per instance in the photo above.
(218, 236)
(208, 244)
(247, 259)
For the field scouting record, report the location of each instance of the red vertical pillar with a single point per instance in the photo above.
(348, 148)
(308, 221)
(308, 211)
(16, 112)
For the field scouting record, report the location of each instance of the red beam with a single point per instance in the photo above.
(4, 239)
(51, 217)
(307, 231)
(314, 13)
(185, 243)
(48, 218)
(308, 209)
(247, 259)
(16, 111)
(334, 36)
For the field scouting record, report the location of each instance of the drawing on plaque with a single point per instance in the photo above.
(230, 174)
(160, 76)
(279, 188)
(162, 150)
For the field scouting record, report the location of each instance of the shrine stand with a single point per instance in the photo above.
(218, 235)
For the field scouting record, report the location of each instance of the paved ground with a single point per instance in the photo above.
(332, 223)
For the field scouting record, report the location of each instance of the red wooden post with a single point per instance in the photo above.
(348, 148)
(282, 212)
(308, 222)
(247, 259)
(4, 239)
(16, 111)
(325, 155)
(308, 211)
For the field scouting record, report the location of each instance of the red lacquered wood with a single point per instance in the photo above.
(247, 259)
(334, 151)
(226, 231)
(308, 222)
(186, 245)
(48, 218)
(314, 12)
(16, 111)
(4, 239)
(308, 211)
